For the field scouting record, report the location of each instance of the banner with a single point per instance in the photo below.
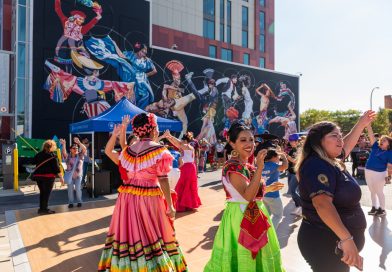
(4, 82)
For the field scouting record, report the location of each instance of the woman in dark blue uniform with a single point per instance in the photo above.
(332, 231)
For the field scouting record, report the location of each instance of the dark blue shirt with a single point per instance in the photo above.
(271, 173)
(378, 159)
(320, 177)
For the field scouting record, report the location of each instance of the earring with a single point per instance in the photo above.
(234, 153)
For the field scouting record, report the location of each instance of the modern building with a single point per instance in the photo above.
(388, 101)
(15, 68)
(241, 31)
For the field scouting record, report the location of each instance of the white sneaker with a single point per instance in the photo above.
(297, 211)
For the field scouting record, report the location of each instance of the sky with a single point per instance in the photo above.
(342, 48)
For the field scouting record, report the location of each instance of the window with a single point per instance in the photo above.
(209, 19)
(262, 43)
(222, 20)
(244, 38)
(212, 51)
(262, 63)
(227, 54)
(262, 3)
(245, 23)
(246, 58)
(262, 22)
(228, 21)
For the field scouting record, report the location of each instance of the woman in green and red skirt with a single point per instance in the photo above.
(246, 240)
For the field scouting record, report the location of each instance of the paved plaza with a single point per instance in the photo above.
(71, 240)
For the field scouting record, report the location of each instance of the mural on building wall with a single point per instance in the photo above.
(100, 65)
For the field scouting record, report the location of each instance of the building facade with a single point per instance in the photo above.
(43, 101)
(240, 31)
(16, 33)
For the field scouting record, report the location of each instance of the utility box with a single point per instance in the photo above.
(8, 165)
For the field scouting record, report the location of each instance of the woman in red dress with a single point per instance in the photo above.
(186, 188)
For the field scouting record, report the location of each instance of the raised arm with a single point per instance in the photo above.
(351, 139)
(83, 148)
(64, 153)
(176, 142)
(109, 149)
(249, 191)
(372, 139)
(58, 10)
(126, 119)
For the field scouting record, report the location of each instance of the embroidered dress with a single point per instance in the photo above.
(244, 241)
(140, 236)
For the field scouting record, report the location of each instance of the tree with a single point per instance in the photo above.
(346, 119)
(382, 124)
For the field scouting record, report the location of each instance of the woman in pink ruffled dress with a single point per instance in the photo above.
(141, 234)
(186, 188)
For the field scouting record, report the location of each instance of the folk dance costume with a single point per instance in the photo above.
(141, 236)
(186, 188)
(245, 240)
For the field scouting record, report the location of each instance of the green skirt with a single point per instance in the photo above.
(229, 256)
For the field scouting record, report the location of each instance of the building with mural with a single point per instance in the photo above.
(73, 60)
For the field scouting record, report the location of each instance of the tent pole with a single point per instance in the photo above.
(93, 168)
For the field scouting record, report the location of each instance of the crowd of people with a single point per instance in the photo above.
(160, 178)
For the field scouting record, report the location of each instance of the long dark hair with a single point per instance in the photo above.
(312, 145)
(232, 135)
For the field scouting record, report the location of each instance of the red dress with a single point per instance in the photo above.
(186, 188)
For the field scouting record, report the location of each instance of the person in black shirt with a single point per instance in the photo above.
(46, 170)
(332, 230)
(292, 177)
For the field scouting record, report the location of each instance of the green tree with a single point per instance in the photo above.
(382, 124)
(346, 119)
(313, 116)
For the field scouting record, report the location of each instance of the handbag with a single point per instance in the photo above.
(68, 174)
(33, 178)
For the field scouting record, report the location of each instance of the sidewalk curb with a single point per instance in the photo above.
(18, 253)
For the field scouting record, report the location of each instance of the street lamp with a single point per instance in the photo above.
(371, 97)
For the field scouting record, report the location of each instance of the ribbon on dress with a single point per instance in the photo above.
(254, 227)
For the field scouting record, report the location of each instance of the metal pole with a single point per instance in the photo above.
(371, 97)
(93, 166)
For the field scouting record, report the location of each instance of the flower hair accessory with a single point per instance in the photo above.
(146, 128)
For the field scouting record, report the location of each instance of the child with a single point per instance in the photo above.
(271, 172)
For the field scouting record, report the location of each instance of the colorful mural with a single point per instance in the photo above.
(98, 60)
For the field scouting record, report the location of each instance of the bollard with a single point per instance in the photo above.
(16, 169)
(60, 160)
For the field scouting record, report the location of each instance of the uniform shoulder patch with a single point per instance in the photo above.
(323, 179)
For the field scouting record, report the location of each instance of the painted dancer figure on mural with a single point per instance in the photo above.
(266, 94)
(143, 68)
(61, 84)
(208, 98)
(285, 97)
(131, 66)
(244, 82)
(287, 121)
(70, 48)
(228, 90)
(175, 92)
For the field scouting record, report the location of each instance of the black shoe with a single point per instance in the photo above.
(380, 212)
(47, 211)
(372, 211)
(79, 205)
(70, 205)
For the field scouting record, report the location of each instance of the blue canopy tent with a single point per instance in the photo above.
(105, 122)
